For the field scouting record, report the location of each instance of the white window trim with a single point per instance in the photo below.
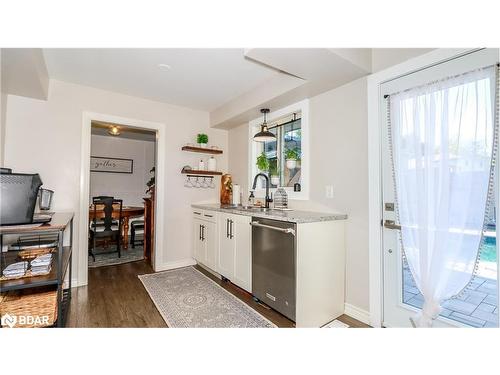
(254, 127)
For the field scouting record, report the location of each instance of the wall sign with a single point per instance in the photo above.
(111, 165)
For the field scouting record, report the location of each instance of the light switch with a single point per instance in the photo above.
(329, 191)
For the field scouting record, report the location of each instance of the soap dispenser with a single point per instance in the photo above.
(251, 199)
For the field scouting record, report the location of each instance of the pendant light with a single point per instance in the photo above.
(264, 135)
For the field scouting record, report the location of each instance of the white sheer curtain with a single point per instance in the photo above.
(443, 139)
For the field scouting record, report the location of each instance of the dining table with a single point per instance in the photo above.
(128, 212)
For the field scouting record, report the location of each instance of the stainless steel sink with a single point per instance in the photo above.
(261, 209)
(252, 209)
(249, 208)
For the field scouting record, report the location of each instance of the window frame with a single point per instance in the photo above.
(253, 149)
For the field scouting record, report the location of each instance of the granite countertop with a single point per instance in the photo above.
(293, 216)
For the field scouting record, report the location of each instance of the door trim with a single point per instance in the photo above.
(375, 129)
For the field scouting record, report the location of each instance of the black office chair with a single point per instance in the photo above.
(110, 227)
(136, 225)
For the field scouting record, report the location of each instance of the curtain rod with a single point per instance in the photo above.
(458, 75)
(285, 123)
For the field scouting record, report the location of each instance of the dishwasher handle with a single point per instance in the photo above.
(283, 230)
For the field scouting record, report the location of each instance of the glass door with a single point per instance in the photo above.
(478, 306)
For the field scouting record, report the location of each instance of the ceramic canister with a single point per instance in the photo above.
(212, 164)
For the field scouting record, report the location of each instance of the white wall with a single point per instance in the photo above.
(238, 157)
(129, 187)
(338, 143)
(24, 72)
(3, 114)
(385, 57)
(339, 157)
(3, 117)
(46, 137)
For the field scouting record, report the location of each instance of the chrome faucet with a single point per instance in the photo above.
(268, 197)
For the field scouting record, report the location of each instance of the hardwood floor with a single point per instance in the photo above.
(115, 297)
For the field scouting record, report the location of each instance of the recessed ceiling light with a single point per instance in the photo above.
(164, 67)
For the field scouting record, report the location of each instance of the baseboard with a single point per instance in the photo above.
(75, 283)
(219, 276)
(357, 313)
(175, 264)
(163, 267)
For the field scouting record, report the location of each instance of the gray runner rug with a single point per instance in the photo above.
(186, 298)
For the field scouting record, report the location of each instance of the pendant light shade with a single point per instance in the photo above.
(264, 135)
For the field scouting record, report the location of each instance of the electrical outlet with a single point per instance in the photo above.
(329, 191)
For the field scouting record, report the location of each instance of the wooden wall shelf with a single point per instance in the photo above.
(202, 173)
(201, 150)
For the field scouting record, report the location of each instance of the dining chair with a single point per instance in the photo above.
(136, 227)
(110, 227)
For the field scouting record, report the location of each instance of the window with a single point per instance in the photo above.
(283, 160)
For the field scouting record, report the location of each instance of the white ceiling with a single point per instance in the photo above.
(203, 78)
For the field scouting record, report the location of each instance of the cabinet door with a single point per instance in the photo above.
(225, 261)
(211, 241)
(242, 235)
(198, 244)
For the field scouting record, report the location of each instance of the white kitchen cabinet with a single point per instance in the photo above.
(223, 243)
(225, 258)
(242, 237)
(198, 243)
(235, 250)
(211, 240)
(205, 238)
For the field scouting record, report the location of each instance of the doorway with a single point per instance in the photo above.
(160, 187)
(478, 305)
(122, 173)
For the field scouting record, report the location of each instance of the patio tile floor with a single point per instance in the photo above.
(477, 306)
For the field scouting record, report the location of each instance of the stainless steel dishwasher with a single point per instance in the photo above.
(273, 264)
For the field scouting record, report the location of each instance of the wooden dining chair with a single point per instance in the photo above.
(137, 227)
(111, 225)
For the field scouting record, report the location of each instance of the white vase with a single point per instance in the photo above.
(203, 145)
(275, 180)
(291, 164)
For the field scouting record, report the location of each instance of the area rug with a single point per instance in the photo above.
(186, 298)
(109, 256)
(336, 324)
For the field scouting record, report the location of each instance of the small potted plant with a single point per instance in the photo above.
(202, 140)
(273, 173)
(151, 183)
(292, 155)
(262, 162)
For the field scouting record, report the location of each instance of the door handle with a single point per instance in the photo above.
(283, 230)
(231, 229)
(391, 224)
(203, 233)
(199, 229)
(227, 228)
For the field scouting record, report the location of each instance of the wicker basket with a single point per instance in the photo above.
(39, 307)
(31, 254)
